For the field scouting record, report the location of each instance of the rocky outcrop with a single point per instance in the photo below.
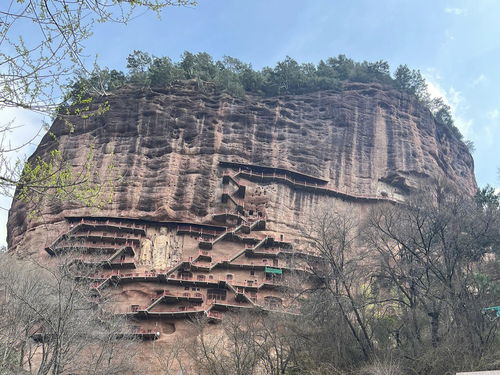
(166, 145)
(212, 193)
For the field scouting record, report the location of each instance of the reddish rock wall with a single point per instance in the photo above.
(167, 144)
(212, 192)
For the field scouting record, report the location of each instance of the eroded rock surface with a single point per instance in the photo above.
(212, 194)
(166, 146)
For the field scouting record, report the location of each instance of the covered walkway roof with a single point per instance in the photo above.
(114, 219)
(263, 169)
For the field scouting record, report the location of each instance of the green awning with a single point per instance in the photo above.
(276, 271)
(494, 308)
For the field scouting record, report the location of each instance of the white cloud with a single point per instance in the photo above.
(479, 80)
(435, 90)
(493, 114)
(456, 11)
(488, 132)
(25, 129)
(454, 99)
(4, 212)
(463, 125)
(20, 132)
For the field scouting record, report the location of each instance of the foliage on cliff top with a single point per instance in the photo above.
(238, 78)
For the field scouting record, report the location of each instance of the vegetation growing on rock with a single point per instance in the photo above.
(287, 77)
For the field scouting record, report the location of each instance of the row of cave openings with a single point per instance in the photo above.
(111, 245)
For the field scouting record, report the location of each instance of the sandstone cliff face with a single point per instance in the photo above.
(166, 146)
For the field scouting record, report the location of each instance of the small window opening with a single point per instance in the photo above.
(216, 294)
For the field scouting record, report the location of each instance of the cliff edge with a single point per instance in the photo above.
(166, 147)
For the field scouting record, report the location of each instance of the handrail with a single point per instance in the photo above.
(251, 167)
(316, 187)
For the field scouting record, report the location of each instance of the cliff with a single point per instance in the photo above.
(166, 145)
(211, 193)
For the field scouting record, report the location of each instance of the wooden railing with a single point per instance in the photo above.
(112, 222)
(311, 186)
(103, 234)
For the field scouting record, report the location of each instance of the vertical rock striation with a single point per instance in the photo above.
(212, 191)
(165, 146)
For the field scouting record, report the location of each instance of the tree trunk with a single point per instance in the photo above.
(434, 328)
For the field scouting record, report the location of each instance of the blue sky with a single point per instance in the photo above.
(455, 44)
